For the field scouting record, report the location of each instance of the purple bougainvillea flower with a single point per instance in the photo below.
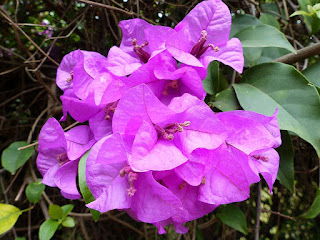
(191, 209)
(172, 132)
(116, 186)
(143, 40)
(91, 77)
(252, 142)
(64, 78)
(80, 110)
(203, 36)
(59, 154)
(166, 80)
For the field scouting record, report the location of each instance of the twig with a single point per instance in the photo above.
(279, 214)
(14, 178)
(258, 211)
(19, 94)
(106, 6)
(207, 224)
(194, 234)
(83, 229)
(300, 55)
(3, 13)
(126, 224)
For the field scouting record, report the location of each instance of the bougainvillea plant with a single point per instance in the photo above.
(157, 150)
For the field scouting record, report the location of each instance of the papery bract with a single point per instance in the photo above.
(59, 154)
(165, 132)
(203, 36)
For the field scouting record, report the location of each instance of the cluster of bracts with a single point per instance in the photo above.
(157, 150)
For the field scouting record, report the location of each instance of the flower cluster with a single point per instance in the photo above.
(157, 150)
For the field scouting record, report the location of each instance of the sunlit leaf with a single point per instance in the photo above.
(55, 212)
(9, 215)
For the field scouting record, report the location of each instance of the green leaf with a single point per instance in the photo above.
(226, 100)
(9, 215)
(215, 81)
(47, 229)
(300, 12)
(55, 212)
(12, 158)
(68, 222)
(20, 238)
(66, 209)
(211, 82)
(312, 73)
(263, 36)
(233, 217)
(34, 191)
(314, 209)
(269, 19)
(312, 22)
(242, 21)
(270, 8)
(286, 168)
(270, 53)
(285, 88)
(85, 191)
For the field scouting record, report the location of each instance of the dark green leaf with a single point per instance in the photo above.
(269, 19)
(211, 82)
(285, 88)
(68, 222)
(263, 36)
(47, 229)
(34, 191)
(312, 73)
(55, 212)
(226, 100)
(286, 168)
(233, 217)
(241, 21)
(66, 209)
(270, 53)
(12, 158)
(314, 210)
(85, 191)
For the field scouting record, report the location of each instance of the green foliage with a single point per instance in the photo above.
(47, 229)
(12, 158)
(314, 209)
(85, 191)
(233, 217)
(312, 73)
(286, 168)
(288, 90)
(310, 11)
(226, 100)
(34, 191)
(58, 216)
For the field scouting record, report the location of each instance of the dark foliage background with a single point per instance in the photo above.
(28, 62)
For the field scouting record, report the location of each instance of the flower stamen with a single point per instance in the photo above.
(138, 49)
(132, 176)
(260, 157)
(199, 48)
(109, 109)
(168, 130)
